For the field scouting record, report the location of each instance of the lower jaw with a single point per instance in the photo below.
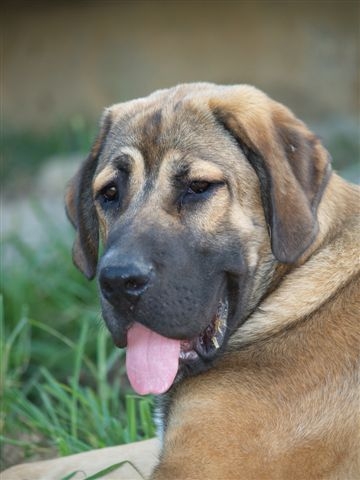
(187, 356)
(205, 347)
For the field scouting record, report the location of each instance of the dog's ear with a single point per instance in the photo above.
(292, 165)
(80, 207)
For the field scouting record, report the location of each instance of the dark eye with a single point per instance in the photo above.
(198, 187)
(198, 191)
(109, 193)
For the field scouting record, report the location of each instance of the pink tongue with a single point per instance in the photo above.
(152, 360)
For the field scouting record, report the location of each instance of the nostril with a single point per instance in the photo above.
(131, 284)
(130, 281)
(108, 284)
(136, 285)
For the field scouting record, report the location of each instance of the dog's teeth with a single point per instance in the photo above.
(215, 342)
(219, 327)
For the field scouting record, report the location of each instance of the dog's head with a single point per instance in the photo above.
(198, 192)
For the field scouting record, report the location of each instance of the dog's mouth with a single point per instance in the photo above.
(154, 361)
(210, 340)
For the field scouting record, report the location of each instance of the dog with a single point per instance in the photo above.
(230, 272)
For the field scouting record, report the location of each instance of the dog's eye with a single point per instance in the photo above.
(198, 187)
(198, 190)
(109, 193)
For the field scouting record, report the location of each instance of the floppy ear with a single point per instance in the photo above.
(80, 207)
(292, 165)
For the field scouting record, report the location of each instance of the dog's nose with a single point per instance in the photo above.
(130, 280)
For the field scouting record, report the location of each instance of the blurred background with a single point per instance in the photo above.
(62, 63)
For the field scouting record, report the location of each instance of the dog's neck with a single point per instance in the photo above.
(278, 310)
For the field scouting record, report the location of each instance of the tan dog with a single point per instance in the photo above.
(231, 273)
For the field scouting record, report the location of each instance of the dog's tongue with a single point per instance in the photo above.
(152, 360)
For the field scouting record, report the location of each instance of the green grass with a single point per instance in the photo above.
(105, 471)
(63, 388)
(24, 152)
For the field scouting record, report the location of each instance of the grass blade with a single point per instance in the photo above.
(65, 340)
(112, 468)
(131, 417)
(72, 475)
(75, 381)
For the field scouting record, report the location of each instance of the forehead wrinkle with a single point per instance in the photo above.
(151, 138)
(176, 163)
(137, 177)
(135, 155)
(172, 162)
(143, 131)
(120, 141)
(110, 170)
(203, 169)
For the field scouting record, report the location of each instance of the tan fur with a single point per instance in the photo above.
(330, 268)
(283, 401)
(287, 404)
